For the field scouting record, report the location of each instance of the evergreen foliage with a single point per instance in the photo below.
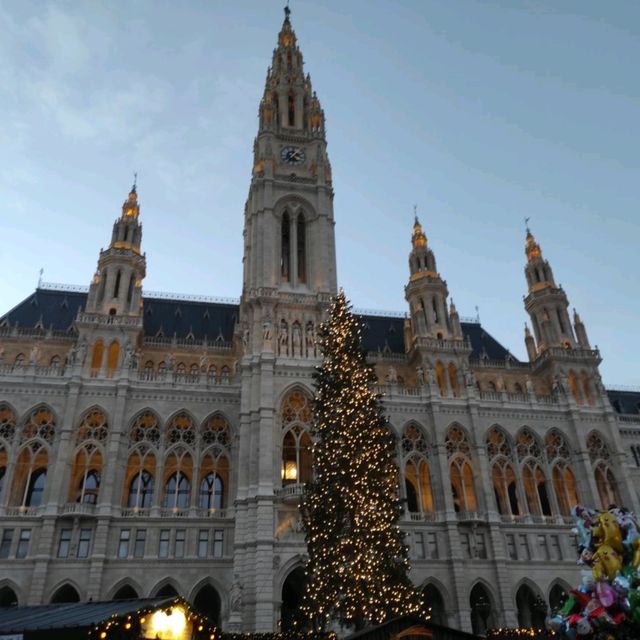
(358, 562)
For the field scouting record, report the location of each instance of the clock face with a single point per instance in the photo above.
(292, 155)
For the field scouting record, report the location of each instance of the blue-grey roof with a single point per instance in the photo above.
(48, 617)
(624, 401)
(56, 310)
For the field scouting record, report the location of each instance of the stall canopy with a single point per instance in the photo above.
(114, 618)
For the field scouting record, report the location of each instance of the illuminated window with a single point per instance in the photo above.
(296, 442)
(600, 457)
(215, 445)
(416, 471)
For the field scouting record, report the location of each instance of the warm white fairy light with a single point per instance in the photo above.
(358, 563)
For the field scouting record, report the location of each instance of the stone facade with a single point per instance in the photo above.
(151, 445)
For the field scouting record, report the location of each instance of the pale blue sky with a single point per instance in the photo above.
(480, 112)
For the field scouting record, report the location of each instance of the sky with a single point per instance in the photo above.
(481, 113)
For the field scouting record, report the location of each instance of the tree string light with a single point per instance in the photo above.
(358, 562)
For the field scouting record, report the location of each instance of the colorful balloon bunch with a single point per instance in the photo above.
(606, 606)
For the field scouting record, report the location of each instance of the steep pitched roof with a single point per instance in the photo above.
(624, 401)
(57, 309)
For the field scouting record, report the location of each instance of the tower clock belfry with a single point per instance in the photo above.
(289, 275)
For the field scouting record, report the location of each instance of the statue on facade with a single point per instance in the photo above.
(171, 362)
(204, 362)
(297, 339)
(529, 386)
(469, 378)
(392, 375)
(235, 598)
(35, 354)
(420, 375)
(311, 339)
(245, 339)
(266, 330)
(81, 353)
(283, 338)
(128, 355)
(136, 357)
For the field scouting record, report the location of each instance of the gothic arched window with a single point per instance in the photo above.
(417, 478)
(177, 490)
(215, 439)
(586, 388)
(505, 485)
(296, 441)
(113, 357)
(301, 238)
(558, 455)
(144, 438)
(572, 379)
(116, 286)
(440, 378)
(140, 493)
(453, 379)
(89, 487)
(534, 479)
(96, 357)
(600, 457)
(460, 470)
(211, 492)
(35, 488)
(285, 251)
(30, 473)
(7, 424)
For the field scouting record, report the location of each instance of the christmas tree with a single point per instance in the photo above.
(358, 562)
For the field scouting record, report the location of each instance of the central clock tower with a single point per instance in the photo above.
(289, 276)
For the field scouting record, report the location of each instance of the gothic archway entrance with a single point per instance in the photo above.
(292, 590)
(207, 603)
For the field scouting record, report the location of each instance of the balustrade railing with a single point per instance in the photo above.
(291, 490)
(174, 512)
(134, 512)
(219, 514)
(13, 512)
(77, 508)
(470, 516)
(426, 516)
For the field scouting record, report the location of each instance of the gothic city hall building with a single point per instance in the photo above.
(154, 445)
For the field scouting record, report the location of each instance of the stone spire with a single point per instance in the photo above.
(116, 287)
(289, 102)
(427, 292)
(546, 302)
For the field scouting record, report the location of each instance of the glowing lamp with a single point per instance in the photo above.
(289, 470)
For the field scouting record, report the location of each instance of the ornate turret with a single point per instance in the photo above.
(546, 302)
(530, 343)
(581, 332)
(288, 102)
(116, 288)
(289, 240)
(427, 293)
